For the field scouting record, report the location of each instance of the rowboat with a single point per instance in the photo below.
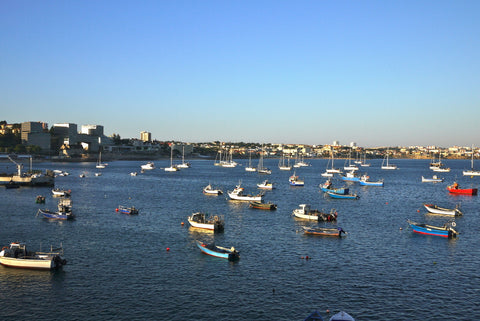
(64, 211)
(238, 195)
(434, 179)
(447, 230)
(230, 254)
(365, 181)
(304, 212)
(324, 231)
(342, 316)
(314, 316)
(200, 220)
(263, 206)
(343, 196)
(434, 209)
(209, 190)
(455, 189)
(17, 256)
(127, 210)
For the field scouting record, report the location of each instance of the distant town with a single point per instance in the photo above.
(66, 141)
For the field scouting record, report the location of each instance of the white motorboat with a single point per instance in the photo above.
(434, 179)
(148, 166)
(200, 220)
(265, 185)
(238, 195)
(434, 209)
(17, 256)
(209, 190)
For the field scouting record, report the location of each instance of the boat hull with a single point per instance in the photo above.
(56, 215)
(343, 196)
(432, 230)
(333, 232)
(442, 211)
(263, 206)
(217, 252)
(462, 191)
(367, 183)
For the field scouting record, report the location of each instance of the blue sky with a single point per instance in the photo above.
(372, 72)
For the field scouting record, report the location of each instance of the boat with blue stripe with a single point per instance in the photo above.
(343, 196)
(230, 254)
(447, 230)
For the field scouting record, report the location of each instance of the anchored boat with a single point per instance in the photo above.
(17, 256)
(230, 254)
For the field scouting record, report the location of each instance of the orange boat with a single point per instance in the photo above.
(455, 189)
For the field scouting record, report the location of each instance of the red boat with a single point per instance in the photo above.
(455, 189)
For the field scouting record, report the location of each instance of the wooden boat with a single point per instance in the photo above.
(328, 187)
(295, 181)
(343, 196)
(127, 210)
(61, 192)
(200, 220)
(434, 179)
(434, 209)
(64, 211)
(263, 206)
(265, 185)
(17, 256)
(455, 189)
(447, 230)
(230, 254)
(238, 195)
(342, 316)
(365, 181)
(306, 213)
(324, 231)
(209, 190)
(314, 316)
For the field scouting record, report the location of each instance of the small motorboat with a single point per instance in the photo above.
(455, 189)
(328, 187)
(295, 181)
(133, 174)
(17, 256)
(127, 210)
(148, 166)
(230, 254)
(434, 209)
(324, 231)
(351, 176)
(434, 179)
(57, 192)
(200, 220)
(263, 206)
(265, 185)
(447, 230)
(64, 211)
(365, 181)
(343, 196)
(238, 195)
(209, 190)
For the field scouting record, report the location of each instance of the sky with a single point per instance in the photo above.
(377, 73)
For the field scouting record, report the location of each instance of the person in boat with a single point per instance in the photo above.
(455, 185)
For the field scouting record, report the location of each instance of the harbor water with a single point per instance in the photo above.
(147, 266)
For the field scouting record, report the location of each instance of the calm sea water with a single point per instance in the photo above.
(119, 268)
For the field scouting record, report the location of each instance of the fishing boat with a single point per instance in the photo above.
(57, 192)
(386, 165)
(238, 195)
(263, 206)
(342, 316)
(314, 316)
(17, 256)
(328, 187)
(230, 254)
(64, 211)
(200, 220)
(471, 171)
(265, 185)
(324, 231)
(455, 189)
(434, 179)
(365, 181)
(343, 196)
(209, 190)
(434, 209)
(306, 213)
(295, 181)
(127, 210)
(148, 166)
(351, 176)
(447, 230)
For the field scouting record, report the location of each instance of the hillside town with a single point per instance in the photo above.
(68, 141)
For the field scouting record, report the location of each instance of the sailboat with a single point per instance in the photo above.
(183, 164)
(386, 165)
(440, 167)
(261, 169)
(333, 170)
(350, 166)
(249, 168)
(282, 166)
(471, 172)
(99, 162)
(171, 168)
(364, 162)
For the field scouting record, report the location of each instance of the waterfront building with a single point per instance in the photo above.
(36, 133)
(145, 136)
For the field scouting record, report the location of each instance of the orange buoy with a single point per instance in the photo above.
(116, 210)
(183, 224)
(168, 249)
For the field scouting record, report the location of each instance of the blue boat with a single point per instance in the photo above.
(127, 210)
(447, 230)
(64, 211)
(364, 181)
(351, 177)
(211, 249)
(327, 187)
(343, 196)
(315, 316)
